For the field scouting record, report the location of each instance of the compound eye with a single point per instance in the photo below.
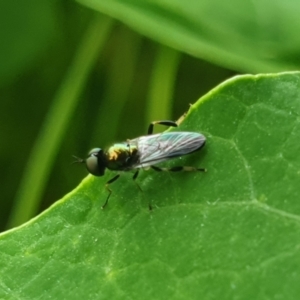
(93, 164)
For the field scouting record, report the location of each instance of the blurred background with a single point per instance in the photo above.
(78, 75)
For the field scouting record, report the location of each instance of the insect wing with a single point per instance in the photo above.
(160, 147)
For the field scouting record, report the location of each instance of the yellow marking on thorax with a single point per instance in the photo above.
(113, 155)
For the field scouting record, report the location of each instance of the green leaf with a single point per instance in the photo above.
(230, 233)
(242, 35)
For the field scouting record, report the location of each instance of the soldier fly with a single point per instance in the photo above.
(144, 152)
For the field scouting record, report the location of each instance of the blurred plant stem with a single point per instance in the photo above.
(53, 130)
(119, 81)
(160, 102)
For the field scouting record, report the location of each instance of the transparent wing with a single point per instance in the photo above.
(160, 147)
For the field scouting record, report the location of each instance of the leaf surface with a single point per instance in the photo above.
(230, 233)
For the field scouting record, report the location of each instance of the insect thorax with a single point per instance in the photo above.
(122, 156)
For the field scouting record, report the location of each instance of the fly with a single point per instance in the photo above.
(144, 152)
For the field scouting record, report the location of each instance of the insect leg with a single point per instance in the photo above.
(163, 122)
(178, 169)
(108, 189)
(135, 175)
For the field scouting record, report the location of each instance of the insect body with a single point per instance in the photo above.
(144, 152)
